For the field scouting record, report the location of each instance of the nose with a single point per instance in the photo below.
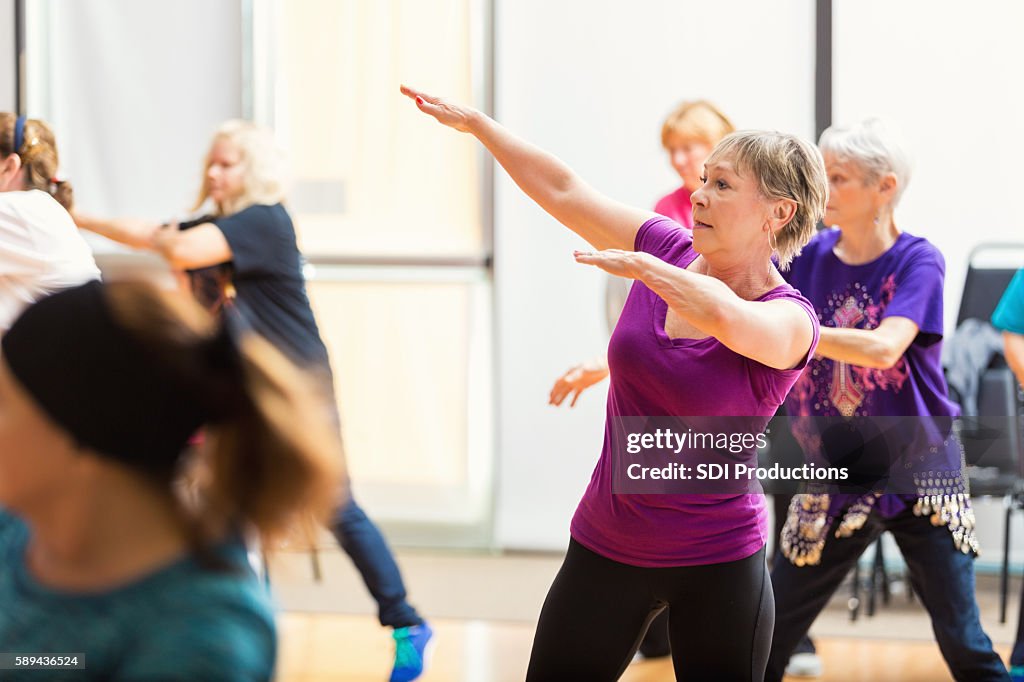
(698, 198)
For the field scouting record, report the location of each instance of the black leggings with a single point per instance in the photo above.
(721, 618)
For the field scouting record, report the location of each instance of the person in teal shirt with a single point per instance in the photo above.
(1009, 318)
(107, 564)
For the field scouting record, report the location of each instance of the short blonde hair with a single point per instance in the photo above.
(785, 167)
(874, 147)
(699, 120)
(264, 172)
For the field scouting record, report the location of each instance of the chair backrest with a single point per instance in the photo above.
(984, 286)
(993, 440)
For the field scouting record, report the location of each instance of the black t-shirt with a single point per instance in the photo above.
(266, 273)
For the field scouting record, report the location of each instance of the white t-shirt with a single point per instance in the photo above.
(41, 251)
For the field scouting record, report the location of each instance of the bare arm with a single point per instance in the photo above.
(775, 333)
(197, 247)
(603, 222)
(1013, 345)
(128, 231)
(878, 348)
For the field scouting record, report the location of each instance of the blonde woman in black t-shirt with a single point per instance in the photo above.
(243, 258)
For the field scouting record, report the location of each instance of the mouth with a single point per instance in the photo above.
(698, 224)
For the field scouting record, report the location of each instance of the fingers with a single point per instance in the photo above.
(575, 397)
(424, 101)
(557, 394)
(564, 385)
(409, 92)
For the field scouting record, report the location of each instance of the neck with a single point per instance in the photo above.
(104, 533)
(748, 279)
(865, 241)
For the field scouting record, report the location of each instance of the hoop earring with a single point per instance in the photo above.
(772, 238)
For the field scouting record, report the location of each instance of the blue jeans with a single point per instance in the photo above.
(365, 545)
(941, 575)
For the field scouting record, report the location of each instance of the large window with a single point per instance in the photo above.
(390, 214)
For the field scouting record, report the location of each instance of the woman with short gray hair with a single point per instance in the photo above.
(710, 328)
(877, 292)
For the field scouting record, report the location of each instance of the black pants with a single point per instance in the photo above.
(942, 576)
(597, 610)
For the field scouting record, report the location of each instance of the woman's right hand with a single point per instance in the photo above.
(452, 115)
(578, 379)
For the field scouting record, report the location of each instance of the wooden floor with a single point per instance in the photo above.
(326, 647)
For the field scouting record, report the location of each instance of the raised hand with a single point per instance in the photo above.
(631, 264)
(578, 379)
(451, 115)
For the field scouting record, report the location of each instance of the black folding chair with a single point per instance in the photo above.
(992, 441)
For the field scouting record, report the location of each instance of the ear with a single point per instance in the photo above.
(887, 186)
(782, 213)
(11, 165)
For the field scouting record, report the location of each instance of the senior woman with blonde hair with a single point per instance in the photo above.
(710, 328)
(878, 294)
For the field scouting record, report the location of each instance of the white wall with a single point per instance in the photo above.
(591, 82)
(948, 79)
(134, 89)
(8, 65)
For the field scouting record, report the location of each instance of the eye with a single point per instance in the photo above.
(721, 184)
(704, 179)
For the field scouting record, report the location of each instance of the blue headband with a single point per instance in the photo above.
(19, 134)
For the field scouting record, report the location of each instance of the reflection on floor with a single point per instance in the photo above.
(483, 608)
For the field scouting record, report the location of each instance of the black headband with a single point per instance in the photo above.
(104, 387)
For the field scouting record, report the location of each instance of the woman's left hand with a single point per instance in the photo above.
(631, 264)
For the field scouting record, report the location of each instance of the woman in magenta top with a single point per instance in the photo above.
(709, 328)
(688, 135)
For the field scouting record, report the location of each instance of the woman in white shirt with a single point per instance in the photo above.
(41, 250)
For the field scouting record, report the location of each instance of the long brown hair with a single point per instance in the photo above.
(275, 458)
(38, 157)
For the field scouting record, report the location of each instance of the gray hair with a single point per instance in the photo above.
(874, 147)
(785, 167)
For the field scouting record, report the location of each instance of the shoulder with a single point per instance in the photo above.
(258, 213)
(673, 197)
(917, 255)
(34, 207)
(222, 621)
(822, 242)
(786, 292)
(919, 248)
(660, 235)
(819, 246)
(257, 220)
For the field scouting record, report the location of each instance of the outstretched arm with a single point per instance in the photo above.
(603, 222)
(878, 348)
(198, 247)
(128, 231)
(775, 333)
